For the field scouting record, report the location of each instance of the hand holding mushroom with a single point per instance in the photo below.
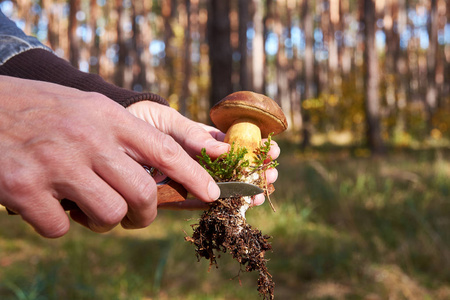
(192, 136)
(246, 117)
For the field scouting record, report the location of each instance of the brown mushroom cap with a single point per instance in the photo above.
(241, 105)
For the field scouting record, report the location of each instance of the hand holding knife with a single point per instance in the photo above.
(170, 191)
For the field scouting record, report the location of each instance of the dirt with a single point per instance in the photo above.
(223, 229)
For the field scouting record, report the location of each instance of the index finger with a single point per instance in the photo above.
(149, 146)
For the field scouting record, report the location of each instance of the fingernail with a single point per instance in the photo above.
(213, 190)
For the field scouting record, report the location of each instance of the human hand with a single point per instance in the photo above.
(58, 142)
(193, 136)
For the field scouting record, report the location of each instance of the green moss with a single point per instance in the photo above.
(232, 166)
(229, 166)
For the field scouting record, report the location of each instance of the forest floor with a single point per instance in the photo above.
(346, 227)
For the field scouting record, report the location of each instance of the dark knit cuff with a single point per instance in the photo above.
(43, 65)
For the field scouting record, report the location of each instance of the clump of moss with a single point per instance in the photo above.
(223, 227)
(232, 166)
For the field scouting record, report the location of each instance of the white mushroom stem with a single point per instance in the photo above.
(245, 207)
(245, 133)
(248, 200)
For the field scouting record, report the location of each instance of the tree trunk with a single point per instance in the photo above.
(432, 54)
(446, 63)
(401, 70)
(94, 65)
(282, 66)
(119, 76)
(168, 10)
(53, 23)
(372, 102)
(243, 68)
(139, 82)
(74, 53)
(308, 71)
(187, 61)
(258, 56)
(219, 49)
(333, 56)
(292, 74)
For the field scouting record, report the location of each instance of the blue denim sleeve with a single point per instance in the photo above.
(14, 41)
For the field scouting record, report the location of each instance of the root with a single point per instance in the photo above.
(223, 229)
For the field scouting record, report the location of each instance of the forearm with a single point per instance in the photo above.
(42, 65)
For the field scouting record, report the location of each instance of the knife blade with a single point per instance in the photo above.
(171, 191)
(237, 189)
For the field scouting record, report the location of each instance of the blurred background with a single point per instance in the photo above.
(363, 209)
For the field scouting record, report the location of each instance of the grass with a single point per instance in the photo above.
(346, 227)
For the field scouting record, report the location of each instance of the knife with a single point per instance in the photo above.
(171, 191)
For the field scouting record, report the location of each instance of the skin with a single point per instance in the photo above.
(151, 113)
(58, 142)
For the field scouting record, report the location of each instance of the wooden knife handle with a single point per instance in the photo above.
(167, 192)
(171, 192)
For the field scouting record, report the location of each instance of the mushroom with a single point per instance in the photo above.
(246, 117)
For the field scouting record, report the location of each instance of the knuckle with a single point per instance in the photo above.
(112, 217)
(197, 173)
(133, 222)
(146, 195)
(143, 206)
(107, 217)
(19, 182)
(194, 130)
(170, 150)
(142, 222)
(194, 171)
